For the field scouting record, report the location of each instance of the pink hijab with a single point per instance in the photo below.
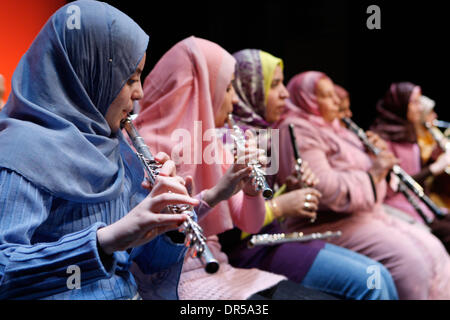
(391, 122)
(303, 100)
(341, 92)
(184, 91)
(302, 110)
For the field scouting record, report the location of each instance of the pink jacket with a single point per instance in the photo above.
(409, 157)
(338, 159)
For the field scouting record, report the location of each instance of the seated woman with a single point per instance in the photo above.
(353, 189)
(400, 122)
(346, 112)
(316, 264)
(432, 143)
(187, 95)
(72, 207)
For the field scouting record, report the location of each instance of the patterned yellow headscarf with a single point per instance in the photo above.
(254, 75)
(268, 64)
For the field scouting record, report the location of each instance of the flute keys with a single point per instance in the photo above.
(190, 238)
(184, 227)
(197, 251)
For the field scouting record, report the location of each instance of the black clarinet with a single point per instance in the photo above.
(405, 178)
(298, 159)
(193, 233)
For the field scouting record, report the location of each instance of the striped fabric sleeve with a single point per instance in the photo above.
(34, 270)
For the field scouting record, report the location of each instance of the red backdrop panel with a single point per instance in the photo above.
(20, 22)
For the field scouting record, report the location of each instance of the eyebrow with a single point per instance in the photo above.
(138, 70)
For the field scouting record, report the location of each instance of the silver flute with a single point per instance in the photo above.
(278, 238)
(257, 175)
(193, 233)
(405, 179)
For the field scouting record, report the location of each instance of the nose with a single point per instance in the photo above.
(337, 101)
(138, 92)
(235, 99)
(284, 94)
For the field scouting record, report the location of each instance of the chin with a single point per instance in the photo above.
(276, 118)
(116, 128)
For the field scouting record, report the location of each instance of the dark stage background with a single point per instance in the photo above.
(330, 36)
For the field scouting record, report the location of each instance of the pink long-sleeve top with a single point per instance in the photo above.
(408, 155)
(338, 159)
(182, 94)
(247, 213)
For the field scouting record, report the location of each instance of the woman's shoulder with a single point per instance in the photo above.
(11, 179)
(300, 124)
(17, 189)
(402, 147)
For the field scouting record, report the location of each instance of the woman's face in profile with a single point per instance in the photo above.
(344, 108)
(276, 97)
(414, 114)
(327, 100)
(226, 108)
(123, 103)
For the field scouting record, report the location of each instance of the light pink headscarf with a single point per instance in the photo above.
(303, 99)
(187, 85)
(341, 92)
(302, 110)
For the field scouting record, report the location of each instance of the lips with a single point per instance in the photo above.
(125, 114)
(127, 110)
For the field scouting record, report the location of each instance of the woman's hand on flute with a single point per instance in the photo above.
(237, 177)
(252, 155)
(145, 222)
(167, 169)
